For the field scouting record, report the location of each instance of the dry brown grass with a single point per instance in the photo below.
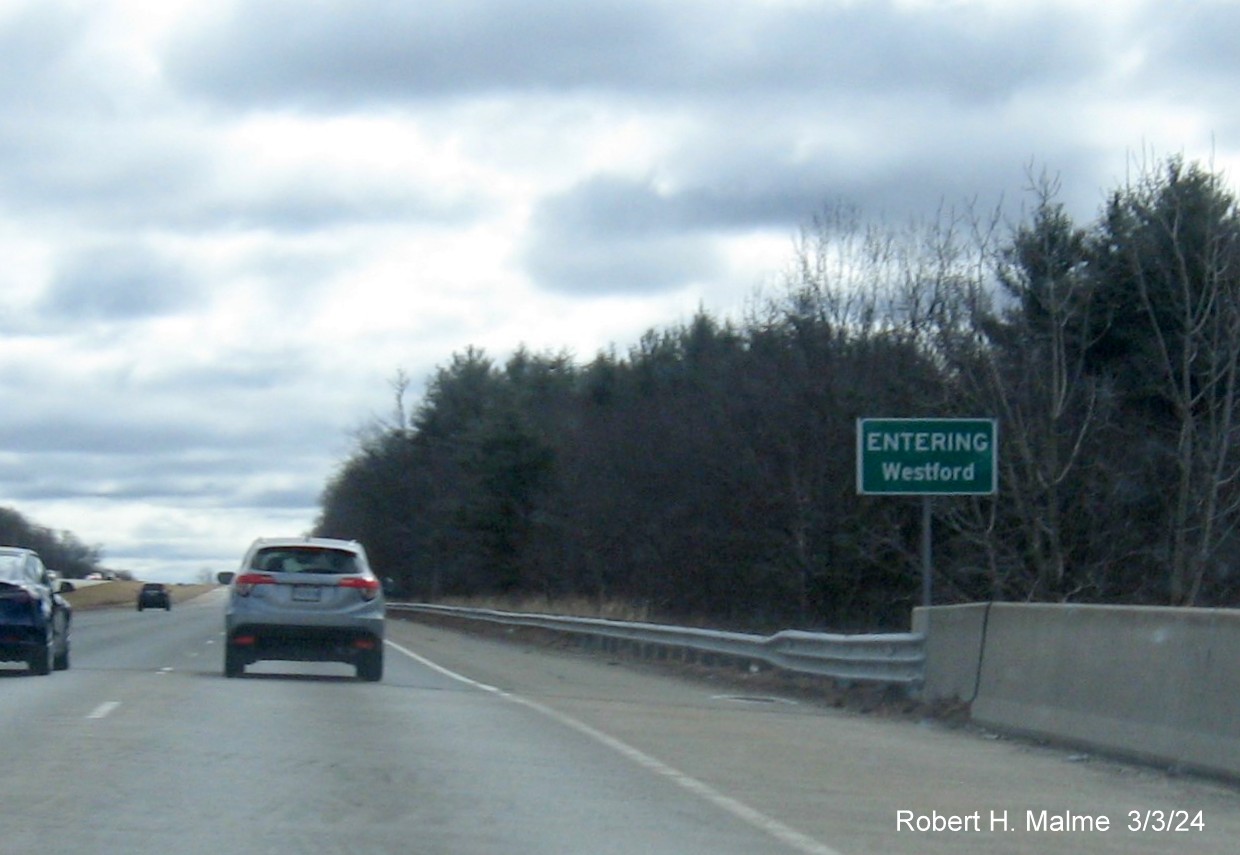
(113, 594)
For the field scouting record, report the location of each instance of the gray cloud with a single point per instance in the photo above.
(610, 235)
(751, 195)
(322, 203)
(38, 42)
(285, 52)
(81, 135)
(120, 175)
(1192, 38)
(618, 266)
(119, 283)
(107, 172)
(117, 459)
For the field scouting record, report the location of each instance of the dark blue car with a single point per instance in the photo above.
(34, 618)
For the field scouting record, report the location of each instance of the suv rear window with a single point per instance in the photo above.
(304, 559)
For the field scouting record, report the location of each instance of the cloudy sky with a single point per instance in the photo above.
(225, 226)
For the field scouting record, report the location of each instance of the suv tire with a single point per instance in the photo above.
(234, 665)
(41, 660)
(370, 666)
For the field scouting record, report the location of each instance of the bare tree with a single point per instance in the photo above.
(1036, 380)
(1177, 235)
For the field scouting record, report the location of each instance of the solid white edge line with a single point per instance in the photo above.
(750, 816)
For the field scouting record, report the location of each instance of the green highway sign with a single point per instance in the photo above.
(927, 457)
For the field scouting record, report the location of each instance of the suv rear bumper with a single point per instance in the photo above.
(256, 642)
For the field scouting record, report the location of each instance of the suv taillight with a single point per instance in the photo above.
(246, 581)
(368, 588)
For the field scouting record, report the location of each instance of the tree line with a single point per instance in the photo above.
(61, 551)
(708, 471)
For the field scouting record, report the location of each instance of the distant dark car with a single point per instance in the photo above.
(154, 595)
(34, 618)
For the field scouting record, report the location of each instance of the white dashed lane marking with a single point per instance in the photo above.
(103, 709)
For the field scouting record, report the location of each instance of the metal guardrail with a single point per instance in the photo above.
(883, 658)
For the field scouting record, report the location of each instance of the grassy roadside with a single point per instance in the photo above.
(114, 594)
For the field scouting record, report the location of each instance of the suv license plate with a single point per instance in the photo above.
(307, 593)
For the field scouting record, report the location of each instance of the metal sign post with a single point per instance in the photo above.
(927, 562)
(927, 457)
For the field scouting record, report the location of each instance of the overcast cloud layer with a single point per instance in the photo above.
(225, 226)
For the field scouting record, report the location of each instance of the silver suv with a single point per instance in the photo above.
(305, 599)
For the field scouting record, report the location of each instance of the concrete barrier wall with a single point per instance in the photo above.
(953, 649)
(1157, 684)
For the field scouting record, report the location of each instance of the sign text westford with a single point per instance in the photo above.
(918, 457)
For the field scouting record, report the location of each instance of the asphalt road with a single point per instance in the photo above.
(476, 746)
